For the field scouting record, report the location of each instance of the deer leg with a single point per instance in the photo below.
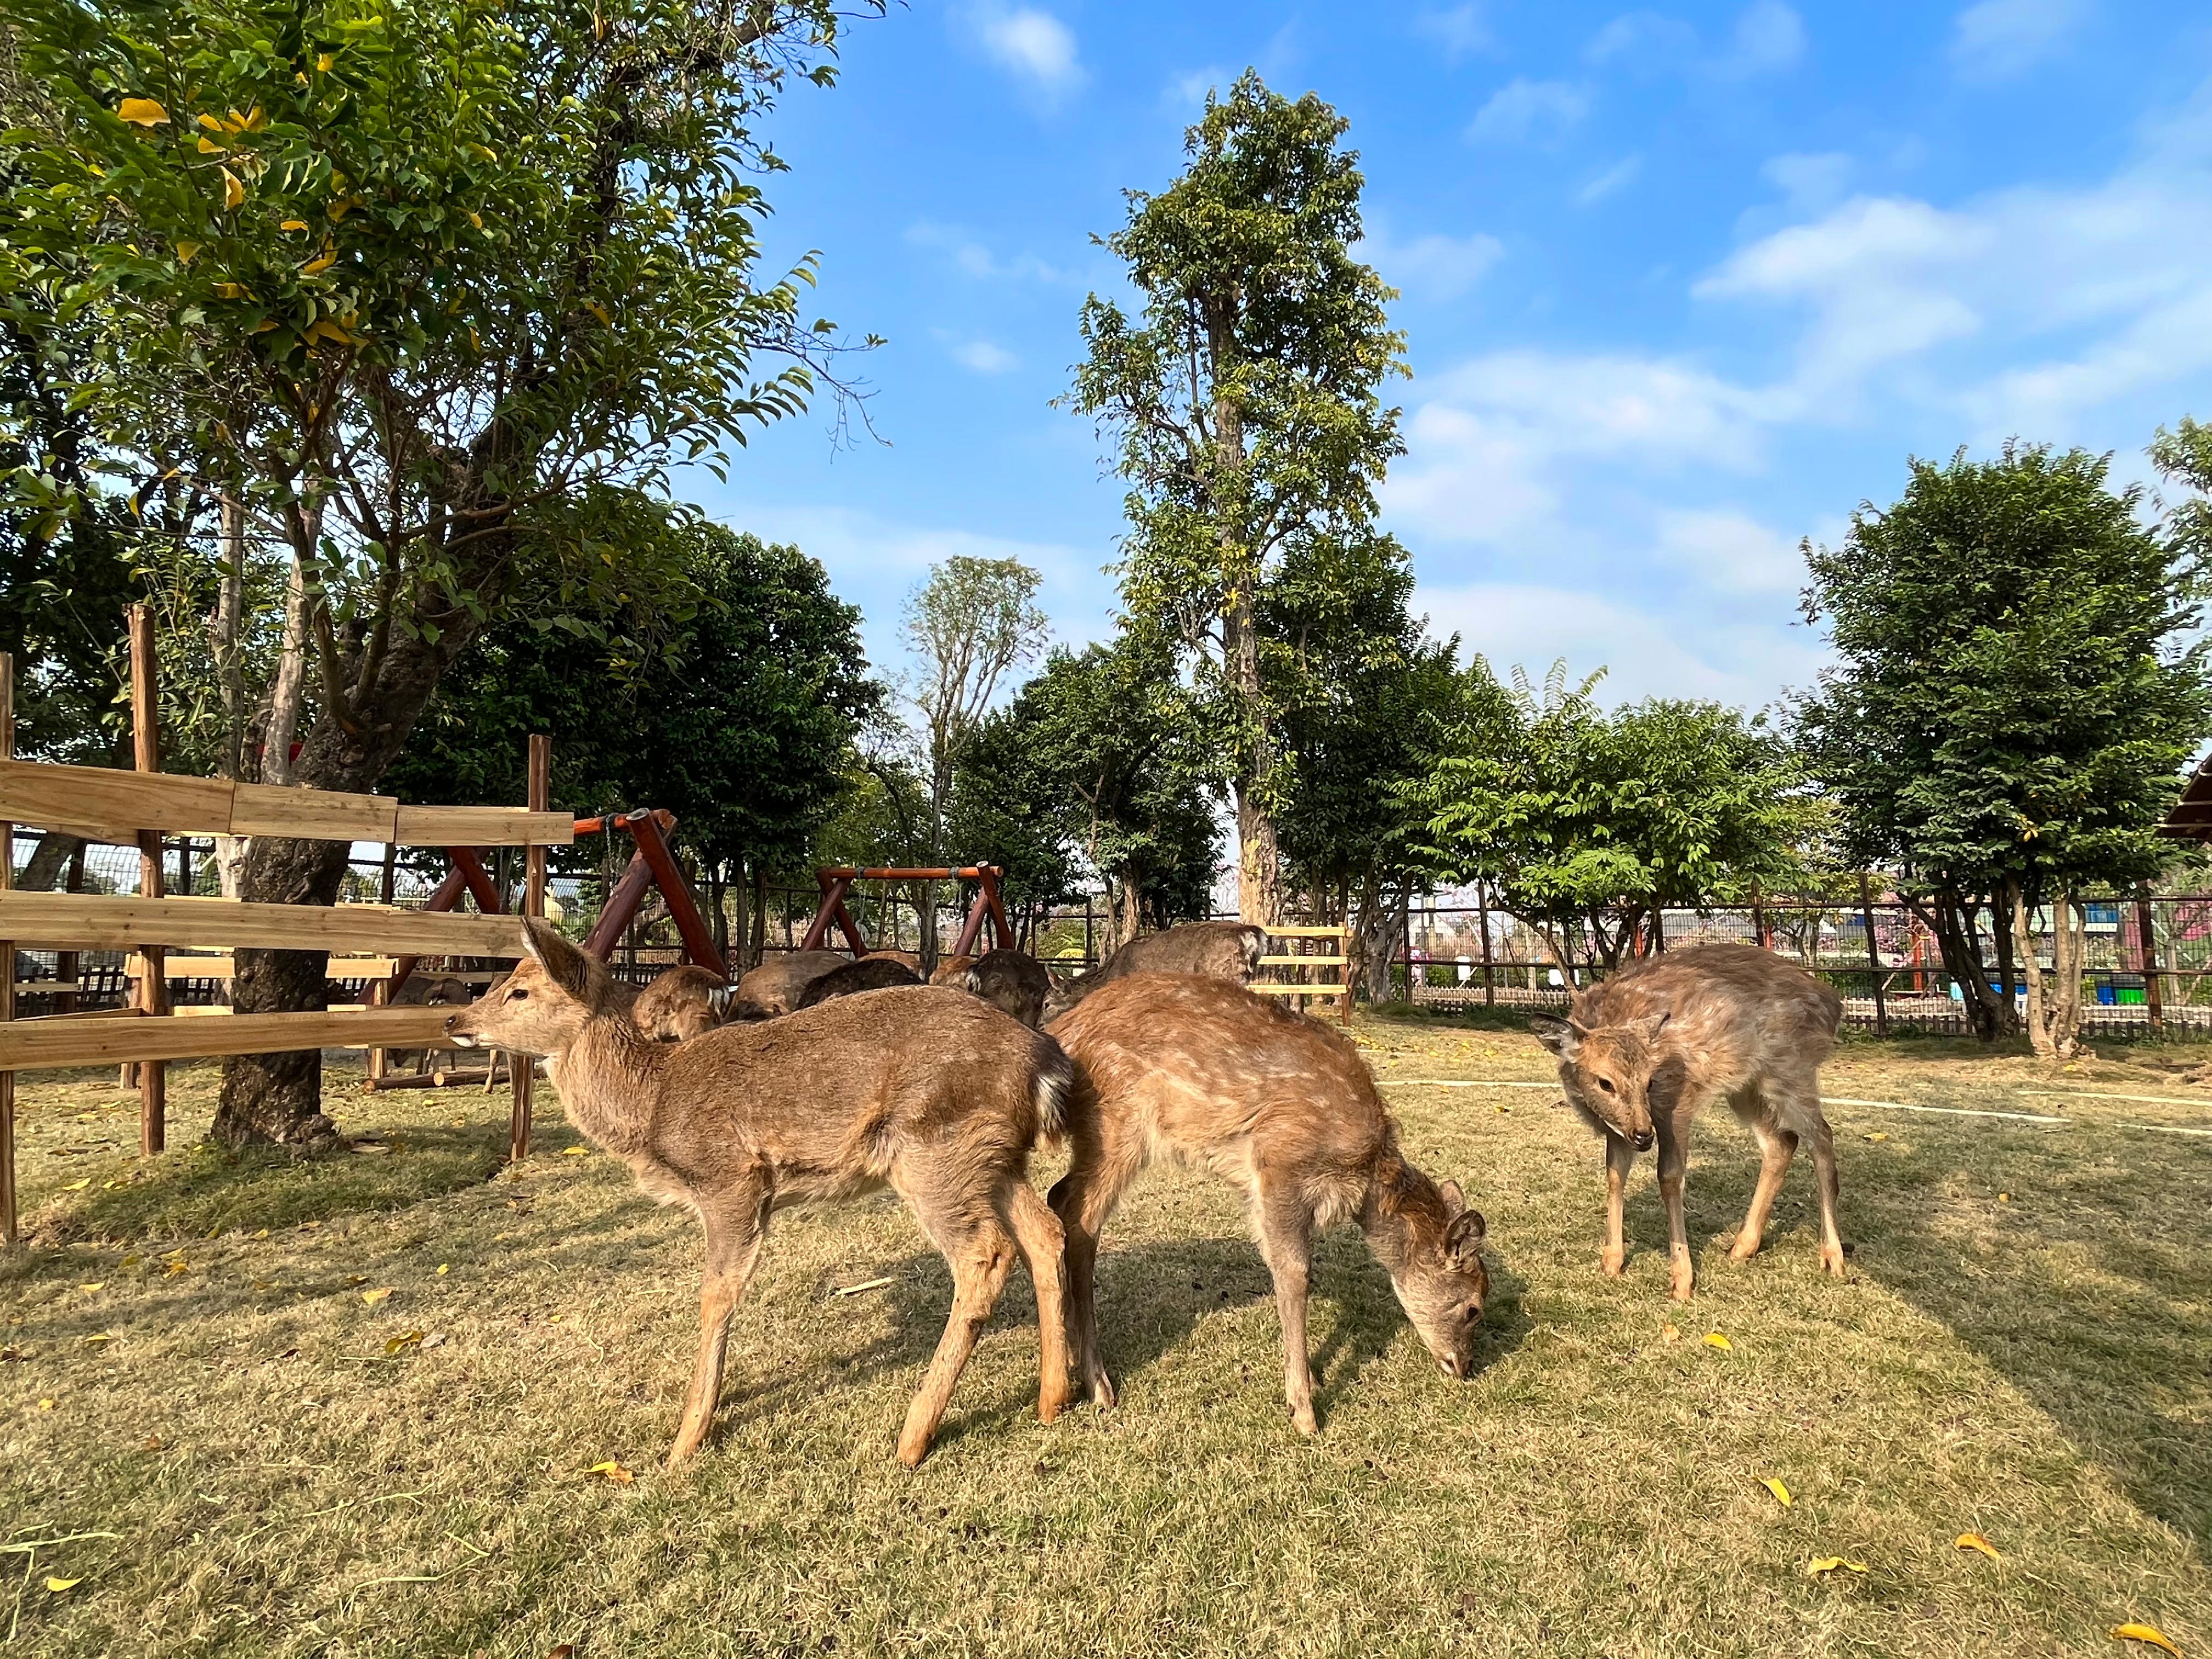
(733, 1240)
(981, 1261)
(1674, 1161)
(1824, 1164)
(1777, 1147)
(1286, 1233)
(1619, 1159)
(1037, 1232)
(1083, 1200)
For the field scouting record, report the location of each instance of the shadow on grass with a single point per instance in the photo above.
(194, 1191)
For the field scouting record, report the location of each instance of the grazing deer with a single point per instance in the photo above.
(870, 973)
(1215, 950)
(681, 1004)
(925, 1091)
(1641, 1052)
(1011, 980)
(1176, 1064)
(951, 970)
(776, 985)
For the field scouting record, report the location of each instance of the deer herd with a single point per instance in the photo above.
(718, 1097)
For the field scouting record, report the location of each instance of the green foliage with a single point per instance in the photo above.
(2016, 694)
(1570, 812)
(1244, 402)
(743, 725)
(1102, 763)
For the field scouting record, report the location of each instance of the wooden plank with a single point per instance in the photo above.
(226, 967)
(1307, 933)
(75, 797)
(483, 826)
(1298, 990)
(45, 987)
(95, 922)
(26, 1045)
(1303, 961)
(267, 808)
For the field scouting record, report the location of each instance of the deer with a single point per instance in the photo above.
(1641, 1052)
(681, 1004)
(1221, 950)
(930, 1093)
(1011, 980)
(1208, 1071)
(776, 985)
(870, 973)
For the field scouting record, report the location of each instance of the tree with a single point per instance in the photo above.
(742, 723)
(2015, 698)
(1589, 822)
(1103, 759)
(1245, 406)
(427, 290)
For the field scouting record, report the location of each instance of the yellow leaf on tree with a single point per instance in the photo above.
(209, 146)
(343, 205)
(234, 193)
(211, 123)
(381, 1291)
(477, 221)
(319, 263)
(187, 252)
(613, 1471)
(264, 326)
(231, 291)
(57, 1585)
(1780, 1492)
(2148, 1633)
(252, 121)
(323, 60)
(326, 330)
(1829, 1563)
(599, 310)
(293, 224)
(1715, 1339)
(1974, 1540)
(141, 112)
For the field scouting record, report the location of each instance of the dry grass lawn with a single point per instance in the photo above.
(246, 1454)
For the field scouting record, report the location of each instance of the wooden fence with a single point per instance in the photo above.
(137, 807)
(1302, 958)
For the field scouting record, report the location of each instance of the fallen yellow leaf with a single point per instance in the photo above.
(1780, 1492)
(234, 193)
(1715, 1339)
(2150, 1633)
(613, 1471)
(176, 1267)
(79, 1186)
(141, 112)
(96, 1285)
(376, 1295)
(1670, 1333)
(1879, 1134)
(575, 1152)
(404, 1340)
(263, 1233)
(57, 1585)
(1974, 1540)
(97, 1338)
(46, 1405)
(444, 1267)
(2004, 1198)
(1829, 1563)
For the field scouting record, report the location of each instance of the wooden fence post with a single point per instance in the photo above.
(154, 988)
(1759, 918)
(1874, 957)
(7, 1229)
(1489, 980)
(522, 1068)
(2154, 997)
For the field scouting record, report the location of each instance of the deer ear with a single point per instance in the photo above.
(718, 998)
(1561, 1036)
(1454, 1201)
(1465, 1233)
(564, 964)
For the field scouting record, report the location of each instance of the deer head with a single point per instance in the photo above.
(1606, 1069)
(1431, 1244)
(543, 1005)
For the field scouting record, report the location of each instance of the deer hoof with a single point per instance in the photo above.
(1681, 1284)
(1745, 1247)
(912, 1448)
(1613, 1263)
(1050, 1405)
(1833, 1259)
(1101, 1392)
(1308, 1425)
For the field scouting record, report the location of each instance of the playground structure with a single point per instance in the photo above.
(986, 910)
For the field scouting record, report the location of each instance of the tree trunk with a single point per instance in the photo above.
(1951, 918)
(47, 859)
(223, 628)
(2054, 1011)
(1381, 926)
(288, 690)
(2009, 985)
(758, 953)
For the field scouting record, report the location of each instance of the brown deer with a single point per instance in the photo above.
(1641, 1052)
(870, 973)
(776, 985)
(681, 1004)
(925, 1091)
(1217, 950)
(1281, 1106)
(1011, 980)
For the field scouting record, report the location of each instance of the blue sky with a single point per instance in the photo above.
(1681, 286)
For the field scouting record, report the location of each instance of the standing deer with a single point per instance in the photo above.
(929, 1092)
(1176, 1064)
(1641, 1052)
(1217, 950)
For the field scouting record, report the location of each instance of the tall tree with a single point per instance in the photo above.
(2015, 694)
(426, 284)
(1245, 403)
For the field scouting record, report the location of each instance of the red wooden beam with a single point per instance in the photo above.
(478, 878)
(621, 907)
(661, 858)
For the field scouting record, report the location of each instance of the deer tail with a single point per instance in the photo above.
(1055, 1077)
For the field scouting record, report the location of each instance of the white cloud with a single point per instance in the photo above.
(1525, 111)
(1730, 550)
(1459, 31)
(984, 357)
(975, 259)
(1433, 266)
(1997, 39)
(1035, 46)
(1810, 184)
(1188, 92)
(1646, 653)
(1620, 173)
(1643, 41)
(1768, 36)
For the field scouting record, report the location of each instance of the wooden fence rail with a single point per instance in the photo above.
(96, 922)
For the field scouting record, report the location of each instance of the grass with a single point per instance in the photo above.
(2023, 1349)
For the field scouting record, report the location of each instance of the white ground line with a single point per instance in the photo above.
(2094, 1094)
(1947, 1111)
(2167, 1129)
